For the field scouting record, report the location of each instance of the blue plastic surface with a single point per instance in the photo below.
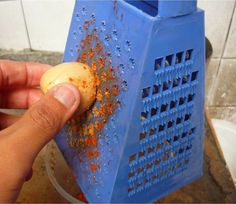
(153, 142)
(165, 8)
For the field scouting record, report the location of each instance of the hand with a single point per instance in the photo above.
(21, 138)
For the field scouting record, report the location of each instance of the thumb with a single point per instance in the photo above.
(44, 119)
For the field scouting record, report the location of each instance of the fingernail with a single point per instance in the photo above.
(65, 94)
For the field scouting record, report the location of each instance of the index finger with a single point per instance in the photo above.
(14, 73)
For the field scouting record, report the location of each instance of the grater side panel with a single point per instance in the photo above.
(166, 133)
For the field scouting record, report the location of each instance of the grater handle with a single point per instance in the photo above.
(172, 8)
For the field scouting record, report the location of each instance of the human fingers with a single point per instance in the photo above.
(7, 120)
(20, 98)
(21, 142)
(43, 120)
(15, 74)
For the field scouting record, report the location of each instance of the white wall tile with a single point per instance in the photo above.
(217, 19)
(48, 23)
(212, 68)
(13, 33)
(230, 49)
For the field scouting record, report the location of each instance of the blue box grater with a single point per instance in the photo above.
(143, 137)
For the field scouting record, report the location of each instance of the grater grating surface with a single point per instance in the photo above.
(143, 137)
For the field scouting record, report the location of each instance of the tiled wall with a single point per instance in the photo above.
(35, 24)
(13, 32)
(43, 24)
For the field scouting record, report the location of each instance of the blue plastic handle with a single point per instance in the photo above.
(165, 8)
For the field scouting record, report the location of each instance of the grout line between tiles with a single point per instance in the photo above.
(227, 36)
(229, 58)
(214, 86)
(210, 91)
(221, 106)
(27, 30)
(218, 58)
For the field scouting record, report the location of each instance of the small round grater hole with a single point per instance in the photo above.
(178, 165)
(145, 92)
(124, 85)
(114, 34)
(192, 131)
(187, 117)
(173, 104)
(181, 150)
(132, 157)
(141, 154)
(155, 89)
(131, 174)
(93, 16)
(185, 79)
(130, 189)
(103, 25)
(142, 135)
(154, 111)
(80, 30)
(182, 100)
(173, 154)
(164, 107)
(158, 64)
(179, 120)
(176, 82)
(132, 62)
(127, 45)
(149, 166)
(167, 142)
(140, 170)
(176, 138)
(157, 162)
(165, 86)
(170, 124)
(151, 149)
(159, 146)
(107, 38)
(84, 11)
(138, 185)
(122, 68)
(184, 134)
(145, 180)
(194, 76)
(161, 128)
(189, 147)
(154, 177)
(118, 51)
(77, 16)
(190, 97)
(165, 156)
(144, 115)
(152, 131)
(74, 35)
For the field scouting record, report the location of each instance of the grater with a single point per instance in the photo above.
(143, 136)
